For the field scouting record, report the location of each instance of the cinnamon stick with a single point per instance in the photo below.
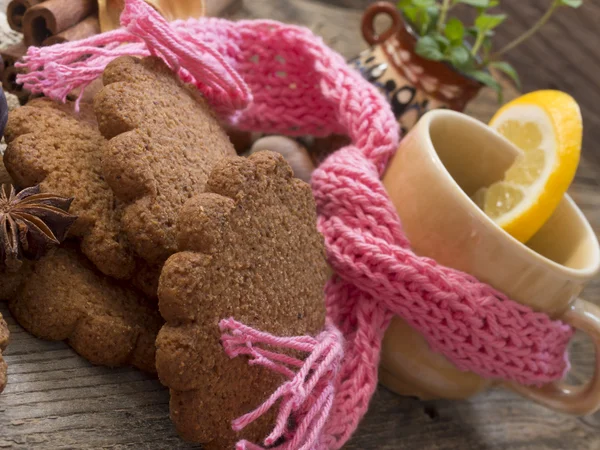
(11, 54)
(16, 10)
(54, 16)
(86, 28)
(9, 80)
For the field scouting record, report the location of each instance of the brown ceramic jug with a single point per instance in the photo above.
(413, 85)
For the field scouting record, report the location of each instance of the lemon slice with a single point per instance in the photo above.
(547, 127)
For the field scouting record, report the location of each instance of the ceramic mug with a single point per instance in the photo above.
(440, 164)
(413, 85)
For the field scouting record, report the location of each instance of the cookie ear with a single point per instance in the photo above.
(202, 222)
(25, 159)
(271, 164)
(128, 151)
(181, 287)
(116, 111)
(118, 107)
(134, 69)
(231, 177)
(124, 67)
(36, 118)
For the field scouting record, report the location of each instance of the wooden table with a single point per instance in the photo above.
(56, 400)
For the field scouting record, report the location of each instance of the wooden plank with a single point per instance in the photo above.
(55, 399)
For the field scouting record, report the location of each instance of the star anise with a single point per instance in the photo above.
(30, 224)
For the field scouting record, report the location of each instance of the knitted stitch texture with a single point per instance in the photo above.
(291, 83)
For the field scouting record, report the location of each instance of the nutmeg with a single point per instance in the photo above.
(295, 154)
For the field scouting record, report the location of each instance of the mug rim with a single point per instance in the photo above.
(585, 273)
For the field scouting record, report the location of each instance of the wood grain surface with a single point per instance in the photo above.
(56, 400)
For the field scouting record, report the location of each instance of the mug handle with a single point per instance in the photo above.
(581, 399)
(368, 26)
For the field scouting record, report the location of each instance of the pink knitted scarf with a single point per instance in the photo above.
(267, 76)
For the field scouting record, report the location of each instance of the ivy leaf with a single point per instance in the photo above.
(476, 3)
(488, 80)
(508, 70)
(571, 3)
(455, 30)
(486, 22)
(459, 57)
(428, 48)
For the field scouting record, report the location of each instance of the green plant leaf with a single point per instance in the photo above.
(493, 3)
(429, 23)
(476, 3)
(488, 80)
(455, 30)
(571, 3)
(508, 70)
(460, 57)
(418, 18)
(404, 3)
(472, 31)
(486, 22)
(423, 21)
(428, 48)
(487, 44)
(434, 13)
(423, 3)
(443, 42)
(411, 13)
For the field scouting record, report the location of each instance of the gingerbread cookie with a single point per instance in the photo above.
(10, 281)
(248, 249)
(50, 146)
(66, 298)
(4, 335)
(164, 141)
